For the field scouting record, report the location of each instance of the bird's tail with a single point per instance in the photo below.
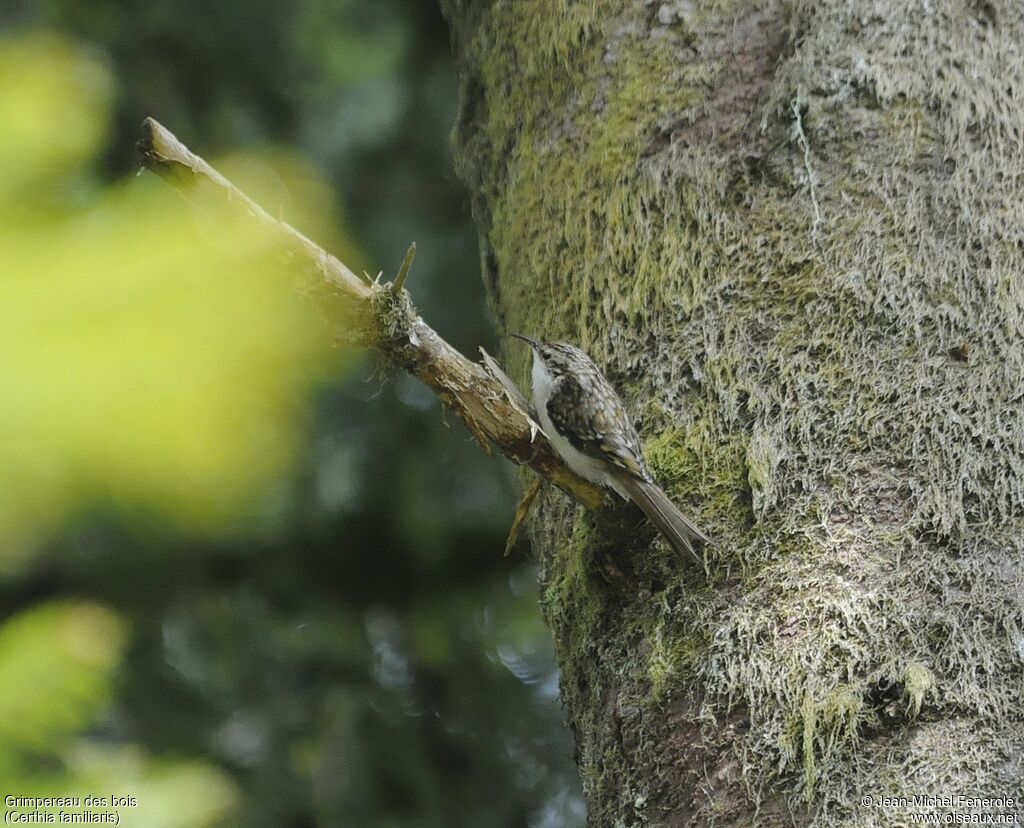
(662, 512)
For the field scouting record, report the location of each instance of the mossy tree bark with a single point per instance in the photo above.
(792, 233)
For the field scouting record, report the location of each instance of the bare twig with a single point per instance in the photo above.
(399, 283)
(521, 513)
(386, 320)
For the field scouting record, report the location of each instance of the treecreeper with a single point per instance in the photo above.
(587, 424)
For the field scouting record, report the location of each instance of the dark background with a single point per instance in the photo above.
(366, 657)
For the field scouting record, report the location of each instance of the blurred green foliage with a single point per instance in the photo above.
(233, 585)
(155, 355)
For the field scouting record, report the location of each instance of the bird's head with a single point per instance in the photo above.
(543, 358)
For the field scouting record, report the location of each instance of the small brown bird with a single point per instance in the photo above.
(588, 426)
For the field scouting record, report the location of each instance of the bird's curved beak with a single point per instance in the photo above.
(533, 343)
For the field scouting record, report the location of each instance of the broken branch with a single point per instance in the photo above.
(385, 319)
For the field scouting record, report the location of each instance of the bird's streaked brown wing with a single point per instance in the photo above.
(590, 415)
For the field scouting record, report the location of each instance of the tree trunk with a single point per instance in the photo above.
(792, 234)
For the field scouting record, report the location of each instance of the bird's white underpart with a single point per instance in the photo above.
(589, 468)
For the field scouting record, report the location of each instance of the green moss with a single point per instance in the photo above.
(673, 655)
(661, 670)
(672, 456)
(601, 107)
(828, 729)
(571, 588)
(918, 682)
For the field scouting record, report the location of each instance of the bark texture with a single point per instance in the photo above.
(792, 233)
